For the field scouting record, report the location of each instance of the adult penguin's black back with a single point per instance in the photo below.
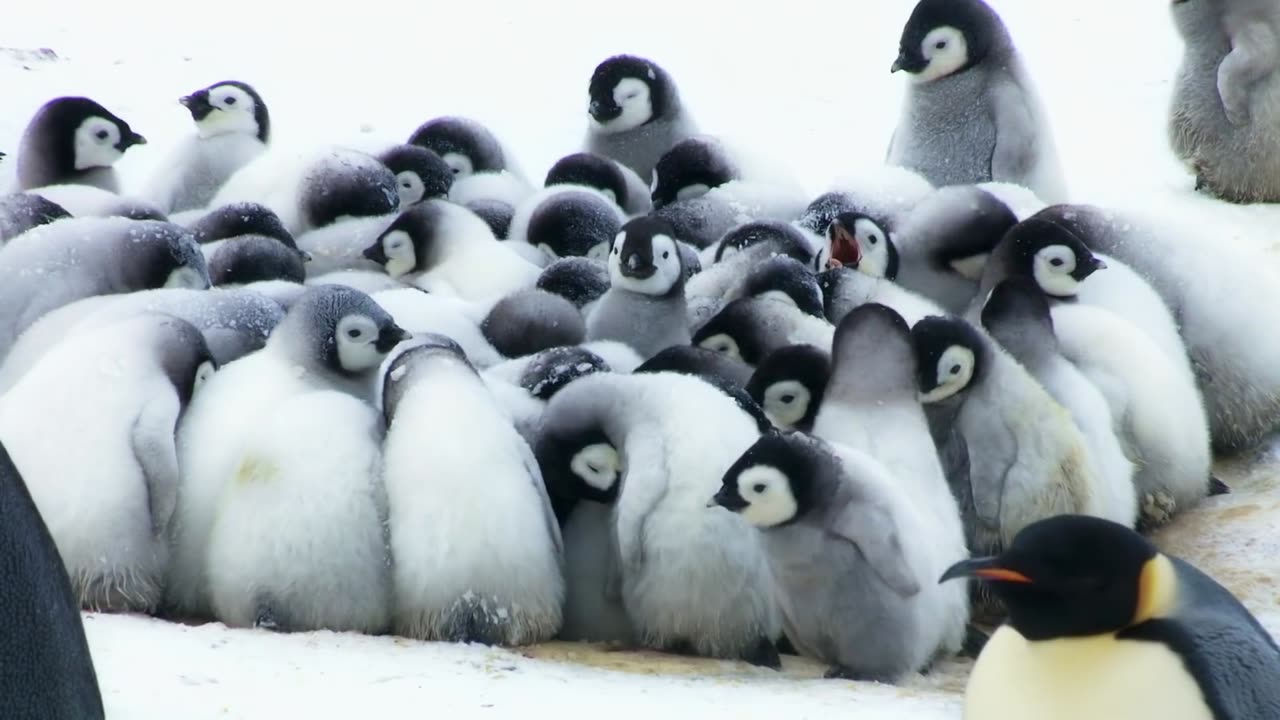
(45, 668)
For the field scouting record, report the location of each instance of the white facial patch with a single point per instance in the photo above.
(401, 256)
(613, 197)
(778, 296)
(946, 50)
(203, 374)
(722, 344)
(233, 110)
(769, 497)
(1052, 268)
(873, 244)
(970, 267)
(460, 164)
(546, 250)
(786, 402)
(186, 278)
(356, 336)
(598, 465)
(96, 140)
(955, 370)
(666, 260)
(632, 95)
(410, 188)
(689, 192)
(599, 251)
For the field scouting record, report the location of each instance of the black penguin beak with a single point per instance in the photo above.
(391, 336)
(198, 104)
(987, 568)
(1088, 268)
(635, 267)
(912, 63)
(129, 140)
(603, 112)
(729, 500)
(375, 253)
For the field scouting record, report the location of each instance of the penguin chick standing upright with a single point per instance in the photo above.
(232, 128)
(1017, 315)
(476, 560)
(73, 140)
(636, 113)
(108, 504)
(1103, 625)
(971, 113)
(850, 554)
(645, 304)
(1226, 99)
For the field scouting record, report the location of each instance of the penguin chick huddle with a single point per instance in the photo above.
(409, 392)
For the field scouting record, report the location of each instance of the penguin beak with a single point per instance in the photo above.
(729, 500)
(375, 253)
(844, 246)
(603, 113)
(389, 337)
(198, 104)
(635, 267)
(129, 140)
(896, 66)
(1086, 269)
(987, 568)
(909, 62)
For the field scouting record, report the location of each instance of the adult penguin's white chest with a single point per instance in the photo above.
(1067, 679)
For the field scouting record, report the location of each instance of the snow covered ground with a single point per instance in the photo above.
(806, 82)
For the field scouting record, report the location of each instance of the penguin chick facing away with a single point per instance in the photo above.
(1222, 117)
(49, 671)
(486, 568)
(233, 127)
(19, 212)
(618, 182)
(645, 304)
(1027, 458)
(657, 445)
(1102, 624)
(971, 113)
(1017, 316)
(73, 140)
(635, 113)
(109, 504)
(855, 588)
(464, 144)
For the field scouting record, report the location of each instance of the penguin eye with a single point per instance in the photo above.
(101, 134)
(758, 488)
(940, 45)
(955, 369)
(353, 333)
(665, 255)
(873, 239)
(1056, 262)
(229, 100)
(788, 398)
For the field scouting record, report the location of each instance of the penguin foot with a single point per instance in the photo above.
(1157, 510)
(785, 647)
(1217, 487)
(974, 640)
(265, 619)
(841, 672)
(764, 654)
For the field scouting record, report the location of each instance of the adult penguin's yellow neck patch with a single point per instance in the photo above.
(1157, 589)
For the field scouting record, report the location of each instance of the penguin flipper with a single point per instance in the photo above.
(870, 528)
(644, 487)
(154, 449)
(1014, 154)
(540, 487)
(1253, 56)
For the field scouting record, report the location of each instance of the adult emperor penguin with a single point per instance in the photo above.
(1226, 97)
(53, 265)
(1027, 458)
(48, 670)
(108, 505)
(645, 304)
(332, 338)
(636, 113)
(486, 566)
(855, 591)
(232, 128)
(73, 140)
(1102, 624)
(971, 113)
(657, 445)
(1017, 316)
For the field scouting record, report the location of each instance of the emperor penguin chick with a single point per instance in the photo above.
(851, 555)
(474, 561)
